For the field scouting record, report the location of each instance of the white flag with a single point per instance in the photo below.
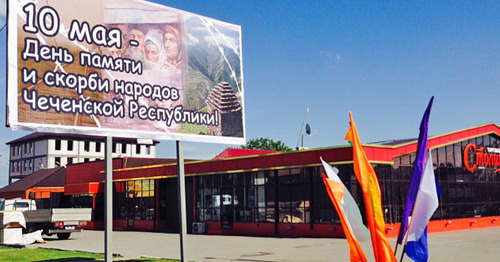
(426, 202)
(349, 206)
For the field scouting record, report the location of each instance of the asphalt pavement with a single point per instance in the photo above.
(470, 245)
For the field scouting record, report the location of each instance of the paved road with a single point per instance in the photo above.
(472, 245)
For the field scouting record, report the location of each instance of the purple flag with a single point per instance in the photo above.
(418, 169)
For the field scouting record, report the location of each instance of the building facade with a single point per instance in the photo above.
(282, 194)
(37, 151)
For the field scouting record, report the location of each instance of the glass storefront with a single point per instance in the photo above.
(295, 195)
(464, 193)
(298, 195)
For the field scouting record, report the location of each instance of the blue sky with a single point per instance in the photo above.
(382, 60)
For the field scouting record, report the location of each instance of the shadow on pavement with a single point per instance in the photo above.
(73, 259)
(78, 259)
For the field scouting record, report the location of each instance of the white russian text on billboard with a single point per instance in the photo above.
(124, 68)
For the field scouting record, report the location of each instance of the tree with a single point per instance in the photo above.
(266, 144)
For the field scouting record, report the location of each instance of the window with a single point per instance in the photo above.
(138, 149)
(57, 161)
(70, 160)
(240, 197)
(28, 148)
(85, 160)
(148, 149)
(114, 148)
(21, 205)
(70, 145)
(86, 146)
(58, 144)
(138, 203)
(294, 202)
(98, 147)
(124, 148)
(83, 200)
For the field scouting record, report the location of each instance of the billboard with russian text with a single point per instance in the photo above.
(124, 68)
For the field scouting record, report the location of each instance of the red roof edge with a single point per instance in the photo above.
(236, 152)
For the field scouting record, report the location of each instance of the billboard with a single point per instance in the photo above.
(124, 68)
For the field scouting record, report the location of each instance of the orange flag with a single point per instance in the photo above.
(336, 192)
(371, 195)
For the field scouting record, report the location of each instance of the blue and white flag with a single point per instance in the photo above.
(418, 168)
(425, 205)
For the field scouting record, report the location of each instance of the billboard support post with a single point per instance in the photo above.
(108, 239)
(181, 189)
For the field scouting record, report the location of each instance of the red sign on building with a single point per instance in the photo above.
(484, 157)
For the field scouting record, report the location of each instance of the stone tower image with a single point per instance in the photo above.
(223, 99)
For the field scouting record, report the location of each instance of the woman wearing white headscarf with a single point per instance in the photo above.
(153, 49)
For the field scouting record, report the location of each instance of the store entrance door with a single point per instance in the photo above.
(169, 204)
(227, 208)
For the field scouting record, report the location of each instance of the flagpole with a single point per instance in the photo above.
(408, 228)
(406, 237)
(402, 254)
(396, 247)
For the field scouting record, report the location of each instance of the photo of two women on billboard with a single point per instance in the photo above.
(159, 47)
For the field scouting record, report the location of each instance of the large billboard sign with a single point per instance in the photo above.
(125, 68)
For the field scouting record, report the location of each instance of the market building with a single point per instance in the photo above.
(282, 194)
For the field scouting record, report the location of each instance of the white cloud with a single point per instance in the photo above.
(191, 40)
(198, 29)
(329, 55)
(220, 39)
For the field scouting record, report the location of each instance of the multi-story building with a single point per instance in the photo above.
(36, 151)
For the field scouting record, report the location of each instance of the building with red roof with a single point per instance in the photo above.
(242, 192)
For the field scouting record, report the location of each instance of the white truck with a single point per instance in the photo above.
(60, 221)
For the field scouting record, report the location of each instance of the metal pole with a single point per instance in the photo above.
(181, 191)
(108, 203)
(301, 129)
(396, 248)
